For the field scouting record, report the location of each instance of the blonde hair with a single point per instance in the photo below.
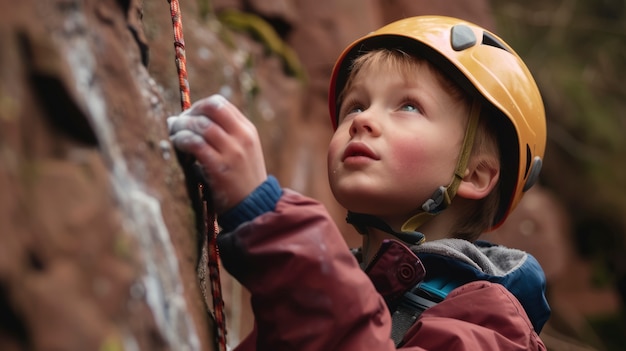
(480, 217)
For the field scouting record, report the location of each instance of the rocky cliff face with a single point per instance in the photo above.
(98, 244)
(98, 248)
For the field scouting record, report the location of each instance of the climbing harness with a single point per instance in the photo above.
(414, 302)
(203, 191)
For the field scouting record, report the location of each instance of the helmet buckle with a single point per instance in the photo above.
(438, 202)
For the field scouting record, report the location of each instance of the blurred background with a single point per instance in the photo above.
(575, 50)
(86, 87)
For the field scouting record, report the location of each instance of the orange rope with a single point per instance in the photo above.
(179, 47)
(203, 190)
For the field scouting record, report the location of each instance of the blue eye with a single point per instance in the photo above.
(355, 109)
(410, 104)
(410, 108)
(349, 108)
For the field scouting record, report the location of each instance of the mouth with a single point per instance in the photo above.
(358, 149)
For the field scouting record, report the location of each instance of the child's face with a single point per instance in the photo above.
(398, 139)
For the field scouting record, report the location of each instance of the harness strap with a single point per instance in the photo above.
(414, 302)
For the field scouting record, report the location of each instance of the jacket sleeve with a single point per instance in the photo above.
(307, 290)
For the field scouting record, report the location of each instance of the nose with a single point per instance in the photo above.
(364, 122)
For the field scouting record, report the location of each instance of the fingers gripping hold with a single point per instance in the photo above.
(216, 100)
(225, 143)
(187, 133)
(187, 141)
(196, 124)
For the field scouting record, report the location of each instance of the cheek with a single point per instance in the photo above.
(335, 146)
(420, 162)
(409, 156)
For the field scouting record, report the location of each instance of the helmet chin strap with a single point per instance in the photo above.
(442, 197)
(362, 222)
(438, 202)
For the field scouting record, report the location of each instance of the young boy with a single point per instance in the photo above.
(439, 130)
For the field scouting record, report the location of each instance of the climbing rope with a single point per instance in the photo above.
(179, 47)
(203, 190)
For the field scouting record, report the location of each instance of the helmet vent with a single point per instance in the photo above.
(528, 159)
(462, 37)
(489, 39)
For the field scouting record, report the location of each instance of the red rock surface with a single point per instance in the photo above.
(95, 226)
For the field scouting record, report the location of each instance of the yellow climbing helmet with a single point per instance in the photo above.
(484, 66)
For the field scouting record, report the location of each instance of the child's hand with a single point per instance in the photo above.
(226, 144)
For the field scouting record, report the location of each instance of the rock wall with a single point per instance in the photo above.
(98, 248)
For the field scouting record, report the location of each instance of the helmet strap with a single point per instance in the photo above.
(362, 222)
(442, 197)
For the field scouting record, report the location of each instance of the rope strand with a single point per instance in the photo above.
(203, 191)
(181, 60)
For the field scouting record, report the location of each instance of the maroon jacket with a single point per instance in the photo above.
(309, 293)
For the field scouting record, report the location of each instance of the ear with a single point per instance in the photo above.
(480, 178)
